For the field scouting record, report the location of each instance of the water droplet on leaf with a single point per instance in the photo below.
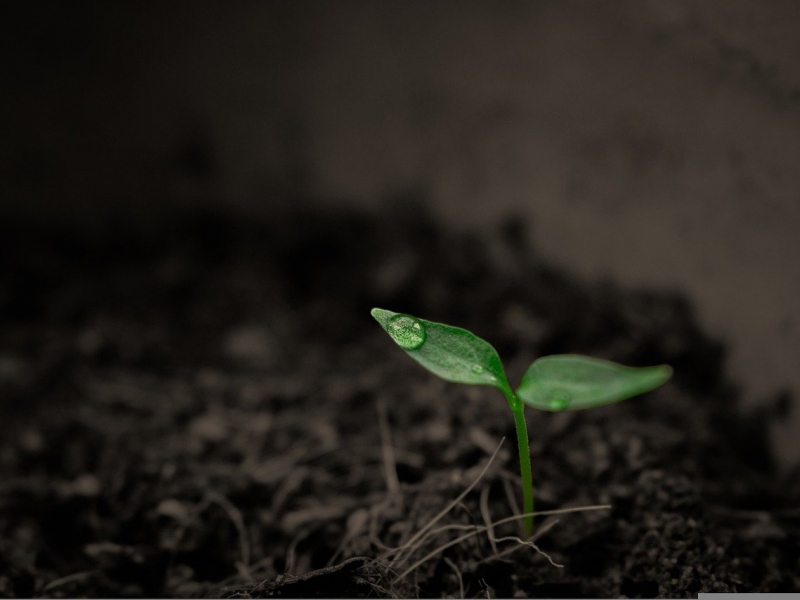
(407, 331)
(477, 369)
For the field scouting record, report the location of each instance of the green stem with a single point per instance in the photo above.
(518, 408)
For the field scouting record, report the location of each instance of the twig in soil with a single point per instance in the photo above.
(236, 518)
(183, 527)
(62, 581)
(291, 551)
(487, 588)
(212, 497)
(279, 468)
(487, 518)
(453, 566)
(469, 514)
(387, 451)
(399, 559)
(292, 482)
(355, 524)
(263, 566)
(373, 525)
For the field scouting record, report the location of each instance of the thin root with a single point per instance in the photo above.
(399, 559)
(453, 566)
(236, 518)
(61, 581)
(548, 525)
(387, 452)
(521, 542)
(477, 530)
(487, 518)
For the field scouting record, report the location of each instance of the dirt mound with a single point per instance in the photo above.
(209, 410)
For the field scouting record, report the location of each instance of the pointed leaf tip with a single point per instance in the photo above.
(381, 316)
(573, 382)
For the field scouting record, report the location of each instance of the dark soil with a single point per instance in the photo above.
(208, 409)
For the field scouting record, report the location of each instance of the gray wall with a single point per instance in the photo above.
(655, 142)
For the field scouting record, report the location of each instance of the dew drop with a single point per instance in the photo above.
(559, 400)
(477, 369)
(407, 331)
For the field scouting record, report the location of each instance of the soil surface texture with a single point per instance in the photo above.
(209, 410)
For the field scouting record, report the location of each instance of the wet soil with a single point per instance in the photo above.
(207, 409)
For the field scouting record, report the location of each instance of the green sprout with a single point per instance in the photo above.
(551, 383)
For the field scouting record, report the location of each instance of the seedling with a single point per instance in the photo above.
(551, 383)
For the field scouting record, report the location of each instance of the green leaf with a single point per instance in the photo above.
(452, 353)
(571, 382)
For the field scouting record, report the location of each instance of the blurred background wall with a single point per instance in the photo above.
(655, 142)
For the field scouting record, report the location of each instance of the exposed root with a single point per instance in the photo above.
(436, 551)
(477, 530)
(373, 534)
(399, 559)
(401, 555)
(521, 542)
(432, 533)
(548, 525)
